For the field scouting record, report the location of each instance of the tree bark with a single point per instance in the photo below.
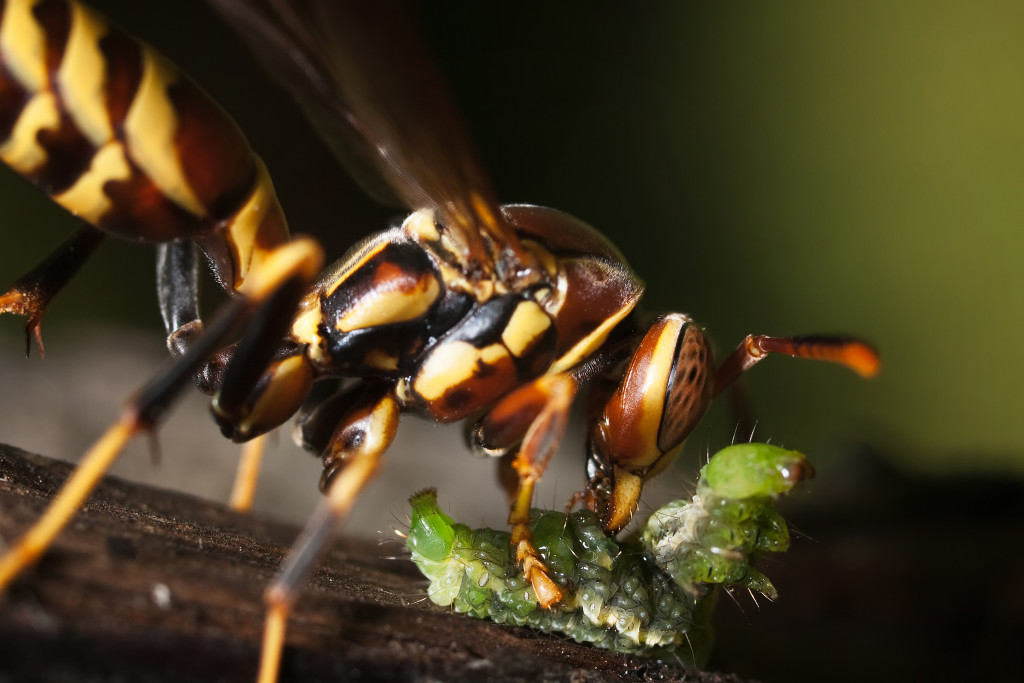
(150, 585)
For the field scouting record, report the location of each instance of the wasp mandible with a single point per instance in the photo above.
(467, 310)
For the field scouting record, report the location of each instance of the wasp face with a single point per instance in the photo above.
(661, 397)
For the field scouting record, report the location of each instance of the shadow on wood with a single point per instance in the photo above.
(150, 585)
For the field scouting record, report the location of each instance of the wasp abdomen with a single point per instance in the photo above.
(118, 137)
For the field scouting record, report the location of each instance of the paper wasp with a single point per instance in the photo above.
(467, 310)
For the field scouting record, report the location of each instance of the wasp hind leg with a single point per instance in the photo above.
(32, 293)
(531, 419)
(290, 270)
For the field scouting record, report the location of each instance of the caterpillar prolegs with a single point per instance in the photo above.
(651, 594)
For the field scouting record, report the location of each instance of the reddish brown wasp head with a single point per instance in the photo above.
(662, 396)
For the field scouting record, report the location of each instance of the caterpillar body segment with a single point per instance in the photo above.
(612, 597)
(652, 594)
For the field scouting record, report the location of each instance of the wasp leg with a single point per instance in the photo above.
(177, 278)
(351, 458)
(326, 406)
(32, 293)
(247, 475)
(852, 353)
(291, 267)
(536, 415)
(177, 292)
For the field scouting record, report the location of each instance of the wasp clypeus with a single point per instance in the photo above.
(467, 310)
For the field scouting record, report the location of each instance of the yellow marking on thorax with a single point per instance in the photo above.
(86, 198)
(421, 225)
(451, 364)
(304, 327)
(82, 75)
(150, 129)
(528, 322)
(24, 45)
(545, 259)
(250, 246)
(591, 342)
(354, 260)
(21, 151)
(391, 306)
(382, 360)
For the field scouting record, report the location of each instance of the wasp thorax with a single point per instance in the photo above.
(382, 305)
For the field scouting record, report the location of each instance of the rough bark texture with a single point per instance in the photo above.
(890, 577)
(150, 585)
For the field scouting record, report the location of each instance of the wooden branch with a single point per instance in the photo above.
(150, 585)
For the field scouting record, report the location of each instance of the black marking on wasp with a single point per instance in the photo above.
(468, 309)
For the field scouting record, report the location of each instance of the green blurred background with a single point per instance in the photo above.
(766, 167)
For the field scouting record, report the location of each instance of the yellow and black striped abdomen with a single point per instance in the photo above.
(117, 136)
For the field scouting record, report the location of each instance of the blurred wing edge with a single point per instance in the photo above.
(372, 90)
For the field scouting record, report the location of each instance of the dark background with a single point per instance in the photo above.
(787, 168)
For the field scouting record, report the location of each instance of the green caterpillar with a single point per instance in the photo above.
(652, 594)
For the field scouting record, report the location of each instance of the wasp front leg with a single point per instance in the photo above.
(531, 420)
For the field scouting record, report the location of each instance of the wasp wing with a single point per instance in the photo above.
(372, 89)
